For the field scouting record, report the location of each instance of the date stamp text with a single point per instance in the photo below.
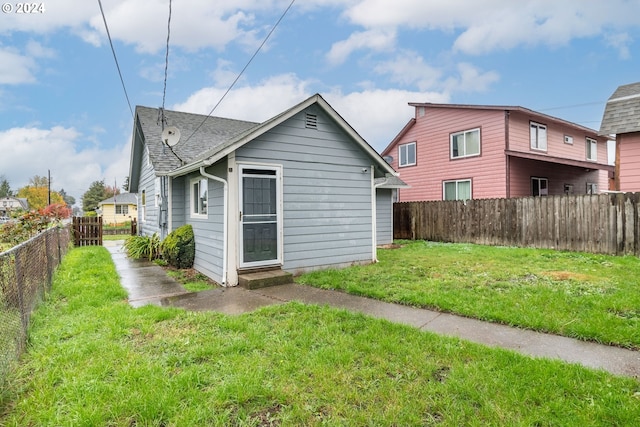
(23, 8)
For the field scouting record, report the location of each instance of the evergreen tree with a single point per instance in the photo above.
(96, 193)
(5, 188)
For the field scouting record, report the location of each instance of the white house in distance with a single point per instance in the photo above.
(298, 192)
(8, 204)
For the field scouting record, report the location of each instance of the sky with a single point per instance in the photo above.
(64, 110)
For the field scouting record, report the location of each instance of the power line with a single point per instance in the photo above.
(115, 58)
(243, 70)
(166, 61)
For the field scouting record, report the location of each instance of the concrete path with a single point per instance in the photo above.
(149, 284)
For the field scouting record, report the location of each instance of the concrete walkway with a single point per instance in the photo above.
(147, 283)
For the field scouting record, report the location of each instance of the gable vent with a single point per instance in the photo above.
(311, 121)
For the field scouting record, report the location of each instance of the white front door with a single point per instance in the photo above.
(260, 215)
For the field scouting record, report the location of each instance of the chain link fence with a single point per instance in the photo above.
(25, 276)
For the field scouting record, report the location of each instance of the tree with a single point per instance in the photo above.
(69, 200)
(125, 186)
(5, 188)
(38, 197)
(96, 193)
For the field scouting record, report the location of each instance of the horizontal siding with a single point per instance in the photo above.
(431, 133)
(178, 202)
(629, 146)
(326, 196)
(519, 139)
(384, 216)
(148, 225)
(209, 232)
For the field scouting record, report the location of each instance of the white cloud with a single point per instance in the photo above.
(490, 25)
(33, 151)
(377, 40)
(470, 79)
(16, 68)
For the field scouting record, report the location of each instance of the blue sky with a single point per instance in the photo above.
(63, 108)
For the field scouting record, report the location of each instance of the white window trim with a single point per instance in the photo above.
(594, 151)
(457, 181)
(568, 139)
(415, 154)
(464, 132)
(592, 188)
(143, 206)
(546, 141)
(546, 190)
(192, 196)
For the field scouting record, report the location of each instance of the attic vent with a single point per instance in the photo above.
(311, 121)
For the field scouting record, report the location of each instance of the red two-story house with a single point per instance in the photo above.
(459, 152)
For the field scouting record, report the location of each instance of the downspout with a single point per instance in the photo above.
(225, 193)
(375, 215)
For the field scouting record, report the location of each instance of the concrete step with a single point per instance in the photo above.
(264, 278)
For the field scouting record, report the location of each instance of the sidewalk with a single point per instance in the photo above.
(147, 283)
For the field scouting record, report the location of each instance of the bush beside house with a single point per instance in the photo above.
(179, 247)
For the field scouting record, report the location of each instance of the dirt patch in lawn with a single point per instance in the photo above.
(566, 275)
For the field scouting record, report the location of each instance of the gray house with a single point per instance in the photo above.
(300, 191)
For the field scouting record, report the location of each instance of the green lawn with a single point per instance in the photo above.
(586, 296)
(95, 361)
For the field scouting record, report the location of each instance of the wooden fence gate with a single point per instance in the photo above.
(87, 231)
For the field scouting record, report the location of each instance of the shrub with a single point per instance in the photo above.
(139, 247)
(179, 248)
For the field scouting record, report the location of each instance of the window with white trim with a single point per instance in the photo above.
(465, 143)
(407, 154)
(143, 206)
(592, 149)
(592, 188)
(538, 136)
(199, 197)
(568, 139)
(456, 189)
(122, 209)
(539, 186)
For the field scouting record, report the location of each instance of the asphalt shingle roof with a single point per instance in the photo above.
(121, 199)
(214, 132)
(622, 112)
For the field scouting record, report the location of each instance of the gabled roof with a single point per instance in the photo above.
(541, 116)
(211, 132)
(121, 199)
(622, 112)
(218, 137)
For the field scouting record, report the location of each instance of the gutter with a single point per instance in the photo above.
(225, 245)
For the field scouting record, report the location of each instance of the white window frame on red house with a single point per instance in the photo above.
(538, 136)
(464, 148)
(457, 183)
(592, 149)
(537, 187)
(404, 154)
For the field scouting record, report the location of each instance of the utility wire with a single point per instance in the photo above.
(244, 69)
(166, 64)
(115, 57)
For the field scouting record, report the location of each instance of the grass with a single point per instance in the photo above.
(94, 360)
(191, 279)
(585, 296)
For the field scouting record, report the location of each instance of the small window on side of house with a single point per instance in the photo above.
(592, 188)
(456, 189)
(568, 139)
(465, 143)
(407, 154)
(143, 205)
(592, 149)
(199, 197)
(539, 186)
(538, 136)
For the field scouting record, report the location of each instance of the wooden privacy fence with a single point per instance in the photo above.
(87, 231)
(604, 223)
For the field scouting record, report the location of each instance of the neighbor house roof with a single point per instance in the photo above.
(622, 112)
(121, 199)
